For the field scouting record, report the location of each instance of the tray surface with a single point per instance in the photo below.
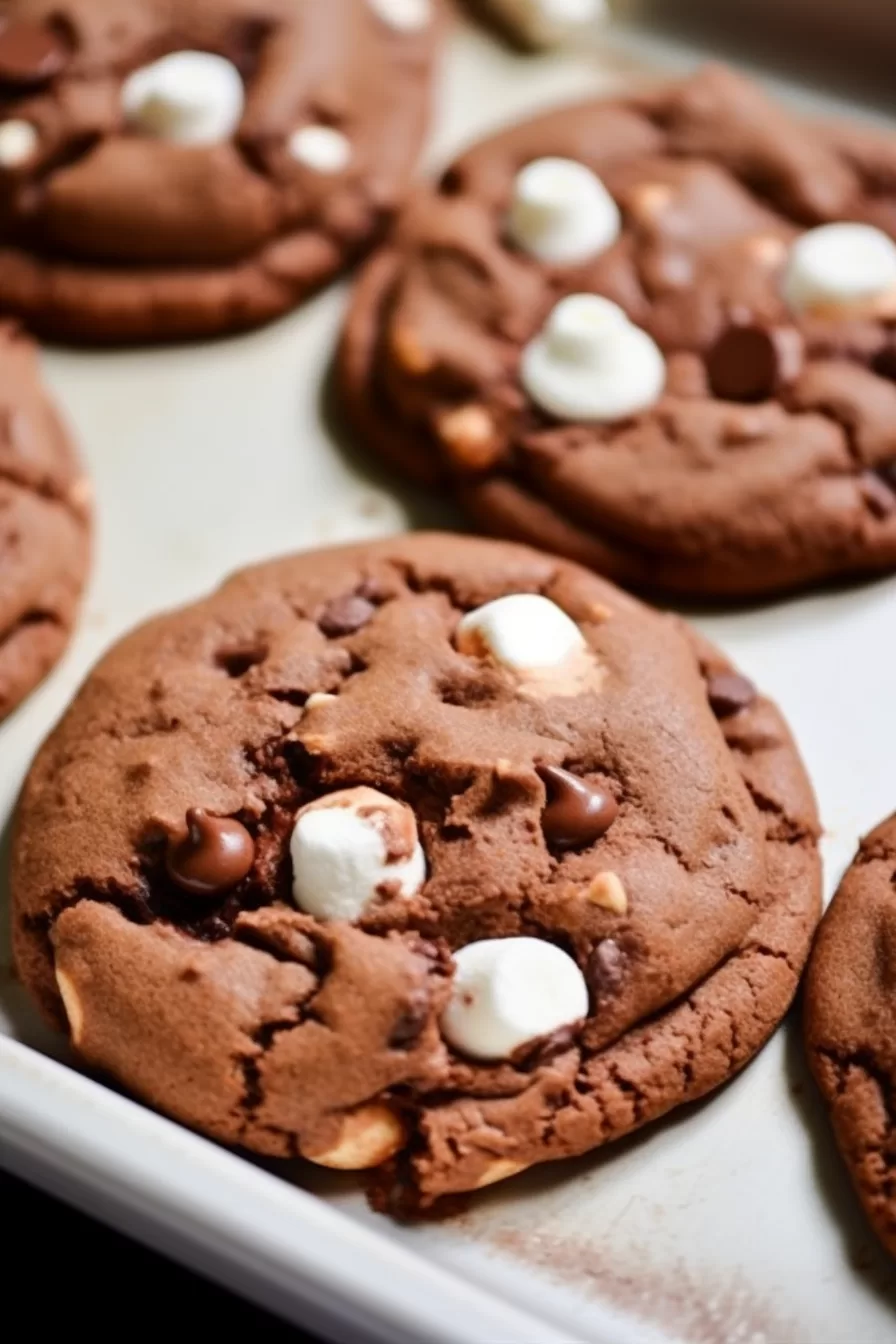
(733, 1222)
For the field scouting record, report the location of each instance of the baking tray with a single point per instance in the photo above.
(732, 1223)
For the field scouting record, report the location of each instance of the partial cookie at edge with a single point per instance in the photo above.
(44, 525)
(133, 235)
(850, 1024)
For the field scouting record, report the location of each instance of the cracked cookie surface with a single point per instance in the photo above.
(684, 894)
(127, 220)
(44, 524)
(763, 465)
(850, 1024)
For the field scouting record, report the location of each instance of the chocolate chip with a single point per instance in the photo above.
(887, 472)
(30, 53)
(411, 1020)
(345, 615)
(877, 494)
(577, 813)
(729, 693)
(213, 855)
(752, 363)
(372, 589)
(605, 971)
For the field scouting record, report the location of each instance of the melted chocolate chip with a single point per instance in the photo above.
(30, 53)
(214, 855)
(605, 971)
(345, 615)
(887, 472)
(729, 693)
(577, 813)
(877, 494)
(411, 1020)
(752, 363)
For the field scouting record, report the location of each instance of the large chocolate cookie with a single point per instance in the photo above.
(850, 1021)
(180, 168)
(437, 855)
(725, 424)
(44, 525)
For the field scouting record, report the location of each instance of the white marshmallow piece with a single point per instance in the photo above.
(351, 847)
(407, 16)
(544, 23)
(509, 991)
(189, 97)
(321, 148)
(561, 212)
(839, 265)
(591, 364)
(18, 143)
(524, 631)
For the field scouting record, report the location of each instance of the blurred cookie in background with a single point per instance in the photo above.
(187, 169)
(656, 334)
(44, 524)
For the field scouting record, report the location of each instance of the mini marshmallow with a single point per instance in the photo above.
(523, 631)
(839, 264)
(543, 23)
(18, 143)
(591, 364)
(350, 847)
(561, 212)
(405, 15)
(509, 991)
(321, 148)
(189, 97)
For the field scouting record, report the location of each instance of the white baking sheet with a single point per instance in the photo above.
(731, 1224)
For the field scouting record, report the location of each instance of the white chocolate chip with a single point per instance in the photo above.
(500, 1170)
(840, 265)
(350, 847)
(543, 23)
(369, 1136)
(523, 631)
(607, 891)
(591, 364)
(649, 201)
(72, 1004)
(766, 250)
(18, 142)
(509, 991)
(319, 698)
(189, 97)
(471, 436)
(322, 148)
(405, 15)
(561, 212)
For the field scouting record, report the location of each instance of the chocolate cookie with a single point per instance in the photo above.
(44, 524)
(655, 334)
(435, 856)
(850, 1022)
(181, 168)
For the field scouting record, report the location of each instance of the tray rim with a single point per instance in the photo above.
(233, 1222)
